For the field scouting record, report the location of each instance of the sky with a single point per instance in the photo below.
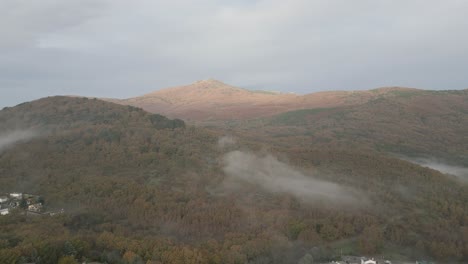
(121, 48)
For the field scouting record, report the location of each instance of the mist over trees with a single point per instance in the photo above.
(140, 188)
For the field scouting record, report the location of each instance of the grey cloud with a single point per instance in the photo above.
(116, 47)
(24, 23)
(271, 175)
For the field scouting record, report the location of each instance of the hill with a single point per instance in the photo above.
(420, 124)
(212, 100)
(138, 187)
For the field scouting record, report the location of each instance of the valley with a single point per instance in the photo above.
(233, 132)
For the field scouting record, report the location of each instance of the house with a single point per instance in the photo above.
(369, 261)
(30, 201)
(16, 195)
(35, 207)
(3, 199)
(4, 211)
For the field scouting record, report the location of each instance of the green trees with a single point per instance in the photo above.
(23, 204)
(161, 122)
(69, 249)
(294, 229)
(48, 252)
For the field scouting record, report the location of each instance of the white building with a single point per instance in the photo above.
(16, 195)
(3, 199)
(369, 261)
(4, 211)
(35, 207)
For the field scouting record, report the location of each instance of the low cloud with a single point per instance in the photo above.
(8, 139)
(460, 172)
(274, 176)
(226, 141)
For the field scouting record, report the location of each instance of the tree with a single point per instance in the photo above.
(371, 240)
(69, 249)
(23, 204)
(9, 256)
(48, 253)
(67, 260)
(131, 258)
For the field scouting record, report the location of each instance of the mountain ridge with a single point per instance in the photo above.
(211, 99)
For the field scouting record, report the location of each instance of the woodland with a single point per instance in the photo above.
(137, 187)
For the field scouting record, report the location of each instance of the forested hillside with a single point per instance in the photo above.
(140, 188)
(428, 124)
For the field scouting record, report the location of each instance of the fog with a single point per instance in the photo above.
(226, 141)
(272, 175)
(460, 172)
(8, 139)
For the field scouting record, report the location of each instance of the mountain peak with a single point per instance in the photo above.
(210, 83)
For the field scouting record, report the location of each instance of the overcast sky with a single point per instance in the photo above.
(121, 48)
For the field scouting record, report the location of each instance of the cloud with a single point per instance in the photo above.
(271, 175)
(8, 139)
(24, 22)
(226, 141)
(122, 48)
(460, 172)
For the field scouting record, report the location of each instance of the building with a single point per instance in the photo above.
(3, 199)
(16, 195)
(4, 211)
(369, 261)
(35, 207)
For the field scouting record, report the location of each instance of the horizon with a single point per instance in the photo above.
(102, 47)
(245, 88)
(216, 80)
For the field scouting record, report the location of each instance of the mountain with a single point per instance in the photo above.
(138, 187)
(212, 100)
(409, 123)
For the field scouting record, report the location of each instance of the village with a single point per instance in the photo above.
(29, 204)
(365, 260)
